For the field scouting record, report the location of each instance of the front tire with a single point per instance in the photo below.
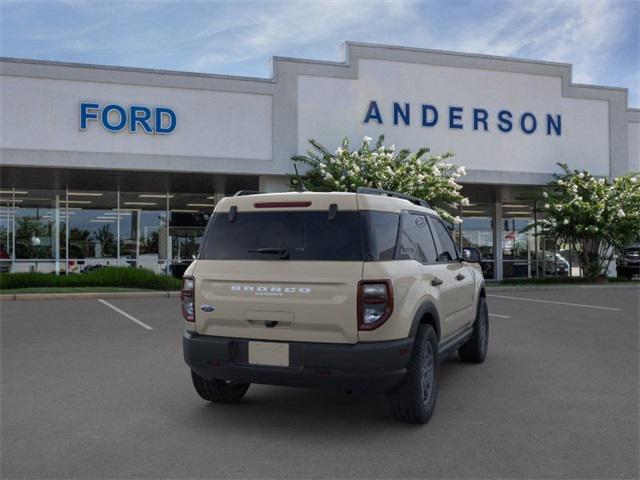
(414, 400)
(219, 391)
(475, 349)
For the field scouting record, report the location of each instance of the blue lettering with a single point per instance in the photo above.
(85, 114)
(373, 112)
(556, 125)
(105, 118)
(505, 124)
(425, 115)
(523, 123)
(455, 113)
(480, 116)
(139, 115)
(399, 112)
(162, 112)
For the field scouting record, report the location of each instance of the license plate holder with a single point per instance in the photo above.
(274, 354)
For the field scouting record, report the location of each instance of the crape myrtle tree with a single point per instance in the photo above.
(420, 174)
(595, 216)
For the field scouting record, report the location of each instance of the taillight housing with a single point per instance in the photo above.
(375, 303)
(186, 297)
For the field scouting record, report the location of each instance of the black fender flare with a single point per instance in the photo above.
(427, 307)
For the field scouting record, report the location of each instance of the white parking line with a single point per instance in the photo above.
(556, 303)
(499, 316)
(125, 314)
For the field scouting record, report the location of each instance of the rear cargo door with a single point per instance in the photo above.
(279, 273)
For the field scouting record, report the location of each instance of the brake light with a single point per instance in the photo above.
(282, 204)
(375, 303)
(186, 297)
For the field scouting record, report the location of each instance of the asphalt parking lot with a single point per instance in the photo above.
(89, 393)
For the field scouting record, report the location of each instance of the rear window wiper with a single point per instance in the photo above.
(283, 252)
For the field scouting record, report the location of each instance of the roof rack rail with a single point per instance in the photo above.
(242, 193)
(388, 193)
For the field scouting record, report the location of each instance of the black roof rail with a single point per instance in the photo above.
(388, 193)
(242, 193)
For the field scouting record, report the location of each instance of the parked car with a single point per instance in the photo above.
(553, 264)
(5, 261)
(352, 291)
(628, 263)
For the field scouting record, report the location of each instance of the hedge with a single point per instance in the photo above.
(102, 277)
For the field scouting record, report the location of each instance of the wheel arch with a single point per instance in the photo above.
(427, 314)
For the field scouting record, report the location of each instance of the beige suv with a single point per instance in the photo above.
(353, 291)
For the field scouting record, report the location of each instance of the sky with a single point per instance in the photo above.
(600, 38)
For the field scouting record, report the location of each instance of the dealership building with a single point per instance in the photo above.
(105, 165)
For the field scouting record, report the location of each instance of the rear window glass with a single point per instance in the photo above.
(266, 235)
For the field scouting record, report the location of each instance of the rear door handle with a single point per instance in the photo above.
(436, 282)
(459, 277)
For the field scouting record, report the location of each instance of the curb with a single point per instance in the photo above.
(85, 296)
(511, 288)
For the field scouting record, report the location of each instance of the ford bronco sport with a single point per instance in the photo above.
(353, 291)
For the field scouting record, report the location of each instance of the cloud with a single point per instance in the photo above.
(600, 38)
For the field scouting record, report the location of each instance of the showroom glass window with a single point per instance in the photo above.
(477, 230)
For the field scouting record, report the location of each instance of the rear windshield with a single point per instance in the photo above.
(311, 235)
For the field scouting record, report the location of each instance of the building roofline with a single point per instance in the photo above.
(346, 62)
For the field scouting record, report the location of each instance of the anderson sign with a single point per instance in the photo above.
(460, 118)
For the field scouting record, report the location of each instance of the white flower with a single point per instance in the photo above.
(621, 213)
(545, 194)
(601, 181)
(634, 179)
(464, 202)
(461, 170)
(546, 205)
(339, 151)
(581, 175)
(560, 182)
(565, 221)
(392, 148)
(367, 139)
(579, 198)
(457, 220)
(558, 207)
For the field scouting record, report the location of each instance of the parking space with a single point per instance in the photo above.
(87, 392)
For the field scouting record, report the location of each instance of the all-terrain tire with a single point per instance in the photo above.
(414, 400)
(474, 350)
(219, 391)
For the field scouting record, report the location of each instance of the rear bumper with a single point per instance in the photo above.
(375, 366)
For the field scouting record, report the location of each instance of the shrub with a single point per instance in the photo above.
(420, 174)
(103, 277)
(593, 215)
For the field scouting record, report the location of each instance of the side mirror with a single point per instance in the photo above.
(471, 254)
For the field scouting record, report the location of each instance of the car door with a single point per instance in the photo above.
(460, 278)
(416, 242)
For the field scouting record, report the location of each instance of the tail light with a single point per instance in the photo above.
(375, 303)
(186, 296)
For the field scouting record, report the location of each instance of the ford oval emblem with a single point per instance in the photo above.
(207, 308)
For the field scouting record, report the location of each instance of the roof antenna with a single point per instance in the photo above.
(301, 187)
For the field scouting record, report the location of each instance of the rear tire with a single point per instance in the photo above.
(219, 391)
(475, 349)
(414, 400)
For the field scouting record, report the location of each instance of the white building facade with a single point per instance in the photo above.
(119, 166)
